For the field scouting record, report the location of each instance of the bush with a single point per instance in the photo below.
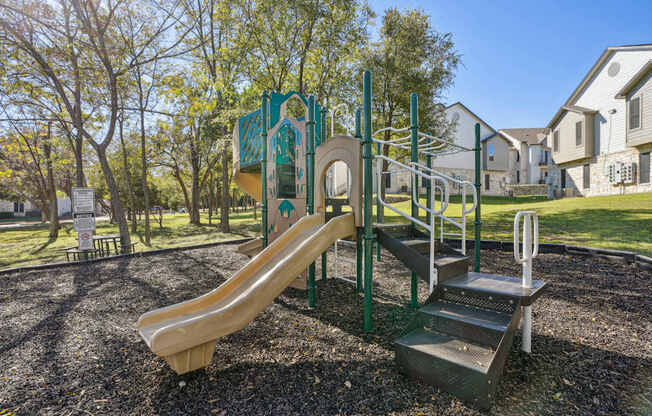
(6, 215)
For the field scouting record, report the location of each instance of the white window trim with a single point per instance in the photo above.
(640, 111)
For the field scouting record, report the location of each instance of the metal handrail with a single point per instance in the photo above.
(430, 226)
(530, 251)
(416, 172)
(463, 183)
(530, 245)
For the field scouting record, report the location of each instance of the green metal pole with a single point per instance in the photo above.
(368, 203)
(324, 255)
(263, 169)
(358, 241)
(414, 129)
(478, 223)
(310, 187)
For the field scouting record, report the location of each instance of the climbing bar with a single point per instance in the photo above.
(439, 139)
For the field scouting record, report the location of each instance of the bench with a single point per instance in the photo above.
(81, 255)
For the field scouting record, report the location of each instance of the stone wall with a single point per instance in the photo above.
(530, 190)
(599, 181)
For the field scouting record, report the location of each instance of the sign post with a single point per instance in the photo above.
(83, 213)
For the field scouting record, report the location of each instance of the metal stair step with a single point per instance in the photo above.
(494, 287)
(454, 365)
(479, 325)
(450, 348)
(450, 266)
(420, 245)
(395, 230)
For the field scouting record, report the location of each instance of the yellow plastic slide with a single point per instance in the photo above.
(185, 334)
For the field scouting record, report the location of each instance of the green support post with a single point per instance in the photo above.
(263, 168)
(310, 188)
(322, 134)
(368, 203)
(478, 223)
(358, 240)
(414, 153)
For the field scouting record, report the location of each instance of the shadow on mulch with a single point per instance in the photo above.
(68, 345)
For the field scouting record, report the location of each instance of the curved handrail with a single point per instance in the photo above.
(535, 251)
(463, 183)
(415, 172)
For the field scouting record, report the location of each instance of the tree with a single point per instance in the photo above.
(306, 45)
(33, 31)
(31, 164)
(410, 56)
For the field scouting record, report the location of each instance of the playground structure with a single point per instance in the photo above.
(461, 335)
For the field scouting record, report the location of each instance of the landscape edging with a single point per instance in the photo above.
(47, 266)
(628, 257)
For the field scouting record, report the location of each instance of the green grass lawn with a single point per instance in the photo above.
(20, 247)
(621, 222)
(615, 222)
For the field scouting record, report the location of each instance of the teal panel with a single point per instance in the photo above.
(251, 145)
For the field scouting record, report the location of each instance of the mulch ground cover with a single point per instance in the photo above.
(68, 344)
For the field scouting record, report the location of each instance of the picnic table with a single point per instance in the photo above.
(103, 244)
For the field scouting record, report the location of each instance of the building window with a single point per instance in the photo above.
(644, 165)
(518, 156)
(563, 178)
(486, 182)
(586, 176)
(545, 157)
(555, 141)
(578, 133)
(388, 180)
(491, 152)
(19, 207)
(518, 176)
(635, 113)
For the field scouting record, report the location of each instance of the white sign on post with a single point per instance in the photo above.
(83, 208)
(84, 222)
(85, 240)
(83, 200)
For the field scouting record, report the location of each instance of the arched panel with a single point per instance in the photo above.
(348, 150)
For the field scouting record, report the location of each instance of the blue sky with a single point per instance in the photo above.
(522, 59)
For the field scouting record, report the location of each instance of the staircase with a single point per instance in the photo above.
(462, 335)
(411, 247)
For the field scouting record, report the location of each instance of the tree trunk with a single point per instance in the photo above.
(52, 190)
(182, 185)
(80, 180)
(130, 189)
(116, 204)
(194, 195)
(211, 198)
(224, 211)
(143, 157)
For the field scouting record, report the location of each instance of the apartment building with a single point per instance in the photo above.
(601, 138)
